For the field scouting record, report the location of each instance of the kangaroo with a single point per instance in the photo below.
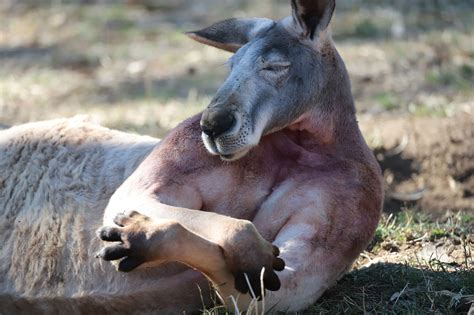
(272, 181)
(271, 192)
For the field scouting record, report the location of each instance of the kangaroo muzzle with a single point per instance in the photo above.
(215, 122)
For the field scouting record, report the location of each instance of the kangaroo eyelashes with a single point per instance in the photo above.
(275, 72)
(276, 67)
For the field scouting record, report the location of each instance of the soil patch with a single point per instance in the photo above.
(427, 162)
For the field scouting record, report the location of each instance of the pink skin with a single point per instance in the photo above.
(317, 196)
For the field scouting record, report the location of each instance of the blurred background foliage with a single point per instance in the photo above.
(128, 65)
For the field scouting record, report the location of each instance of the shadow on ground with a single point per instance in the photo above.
(387, 288)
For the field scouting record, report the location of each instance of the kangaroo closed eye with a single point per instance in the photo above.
(277, 67)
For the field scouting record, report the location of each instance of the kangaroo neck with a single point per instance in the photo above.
(324, 134)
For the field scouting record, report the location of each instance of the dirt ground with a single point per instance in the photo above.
(427, 162)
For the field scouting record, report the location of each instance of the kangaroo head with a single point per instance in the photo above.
(279, 72)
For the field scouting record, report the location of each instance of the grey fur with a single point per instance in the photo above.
(277, 75)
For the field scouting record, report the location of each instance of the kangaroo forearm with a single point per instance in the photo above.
(209, 225)
(197, 252)
(205, 256)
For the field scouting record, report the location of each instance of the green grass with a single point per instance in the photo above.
(411, 285)
(425, 110)
(459, 77)
(388, 101)
(388, 288)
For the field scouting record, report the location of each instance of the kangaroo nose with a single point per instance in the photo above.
(216, 122)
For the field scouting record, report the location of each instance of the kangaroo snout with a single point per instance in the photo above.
(216, 121)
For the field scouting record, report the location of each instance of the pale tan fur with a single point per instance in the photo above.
(56, 178)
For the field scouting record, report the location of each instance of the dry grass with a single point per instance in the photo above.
(413, 266)
(132, 69)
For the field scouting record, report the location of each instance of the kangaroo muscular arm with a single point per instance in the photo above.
(223, 248)
(215, 227)
(152, 242)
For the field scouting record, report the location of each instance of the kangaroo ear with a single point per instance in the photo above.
(312, 16)
(231, 34)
